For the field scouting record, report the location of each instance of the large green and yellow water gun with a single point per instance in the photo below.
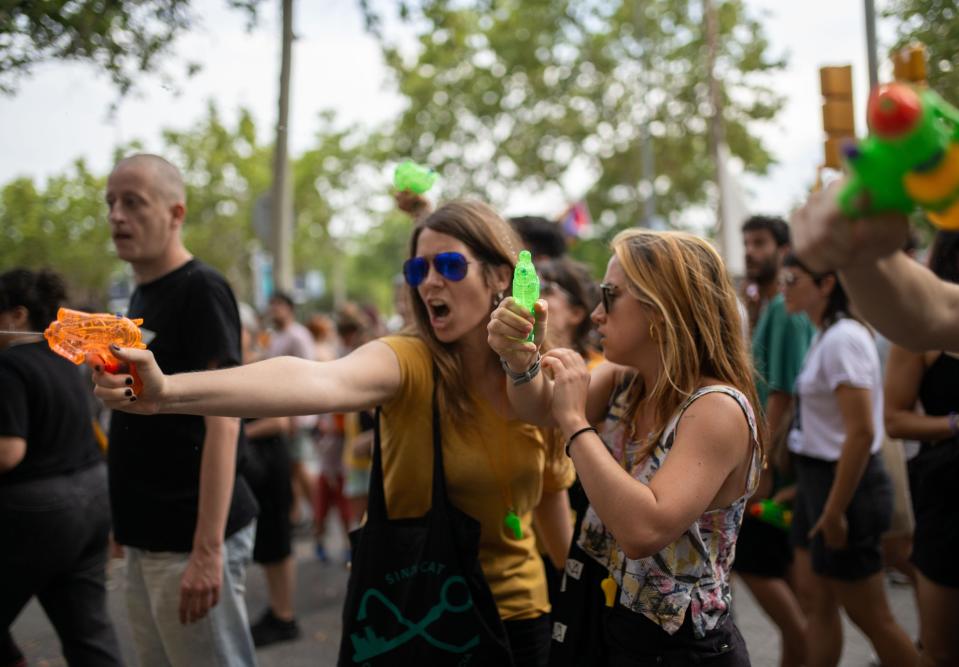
(910, 158)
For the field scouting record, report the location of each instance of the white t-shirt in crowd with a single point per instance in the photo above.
(845, 354)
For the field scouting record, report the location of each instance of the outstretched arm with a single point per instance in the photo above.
(903, 300)
(906, 302)
(283, 386)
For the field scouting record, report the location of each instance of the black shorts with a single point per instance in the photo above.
(869, 515)
(762, 550)
(267, 471)
(631, 639)
(936, 540)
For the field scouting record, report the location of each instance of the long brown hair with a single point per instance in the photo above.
(681, 277)
(493, 241)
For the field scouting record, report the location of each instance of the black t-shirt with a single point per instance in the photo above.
(155, 460)
(43, 400)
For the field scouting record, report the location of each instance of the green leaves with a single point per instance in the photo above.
(528, 93)
(934, 23)
(124, 38)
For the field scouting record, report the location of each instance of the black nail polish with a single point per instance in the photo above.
(128, 381)
(133, 398)
(128, 392)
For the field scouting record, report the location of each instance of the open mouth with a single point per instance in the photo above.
(438, 310)
(122, 236)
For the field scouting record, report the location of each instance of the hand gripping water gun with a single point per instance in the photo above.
(773, 513)
(413, 177)
(525, 284)
(79, 337)
(909, 159)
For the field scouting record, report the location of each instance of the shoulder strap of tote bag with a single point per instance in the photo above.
(376, 511)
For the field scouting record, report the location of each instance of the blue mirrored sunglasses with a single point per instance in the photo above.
(450, 265)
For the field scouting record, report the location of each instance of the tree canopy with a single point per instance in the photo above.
(532, 92)
(124, 38)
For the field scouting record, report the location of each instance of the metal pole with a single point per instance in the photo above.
(645, 138)
(871, 44)
(716, 121)
(281, 213)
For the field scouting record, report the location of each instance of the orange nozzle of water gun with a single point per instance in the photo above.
(79, 337)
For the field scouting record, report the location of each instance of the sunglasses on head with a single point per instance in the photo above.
(608, 294)
(450, 265)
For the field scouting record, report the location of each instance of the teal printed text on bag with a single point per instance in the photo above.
(370, 645)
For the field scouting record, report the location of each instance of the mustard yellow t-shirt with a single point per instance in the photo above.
(512, 567)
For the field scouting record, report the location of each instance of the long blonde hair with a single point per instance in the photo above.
(681, 277)
(494, 242)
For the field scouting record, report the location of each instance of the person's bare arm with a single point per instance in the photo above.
(904, 371)
(712, 441)
(12, 451)
(203, 577)
(508, 329)
(777, 405)
(283, 386)
(906, 302)
(855, 404)
(263, 428)
(902, 299)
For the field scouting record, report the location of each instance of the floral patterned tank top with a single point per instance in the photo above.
(691, 573)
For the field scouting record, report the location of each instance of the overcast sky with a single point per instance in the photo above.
(60, 112)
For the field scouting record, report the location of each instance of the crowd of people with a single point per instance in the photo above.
(605, 459)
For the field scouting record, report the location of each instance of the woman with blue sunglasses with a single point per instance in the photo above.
(499, 470)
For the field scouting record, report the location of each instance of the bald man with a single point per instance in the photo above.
(179, 508)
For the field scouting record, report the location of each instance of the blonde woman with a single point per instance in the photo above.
(680, 452)
(460, 265)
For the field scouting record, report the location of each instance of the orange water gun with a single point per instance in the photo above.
(79, 337)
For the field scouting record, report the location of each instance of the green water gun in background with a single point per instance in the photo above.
(773, 513)
(525, 284)
(414, 178)
(910, 158)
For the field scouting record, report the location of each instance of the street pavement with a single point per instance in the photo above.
(319, 596)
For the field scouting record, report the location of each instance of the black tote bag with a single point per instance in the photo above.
(416, 594)
(577, 614)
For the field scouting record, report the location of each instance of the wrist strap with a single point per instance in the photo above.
(524, 377)
(578, 433)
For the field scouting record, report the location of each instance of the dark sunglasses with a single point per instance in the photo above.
(608, 294)
(450, 265)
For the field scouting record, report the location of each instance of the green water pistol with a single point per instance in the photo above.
(525, 284)
(910, 158)
(413, 177)
(773, 513)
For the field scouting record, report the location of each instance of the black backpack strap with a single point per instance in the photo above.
(376, 508)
